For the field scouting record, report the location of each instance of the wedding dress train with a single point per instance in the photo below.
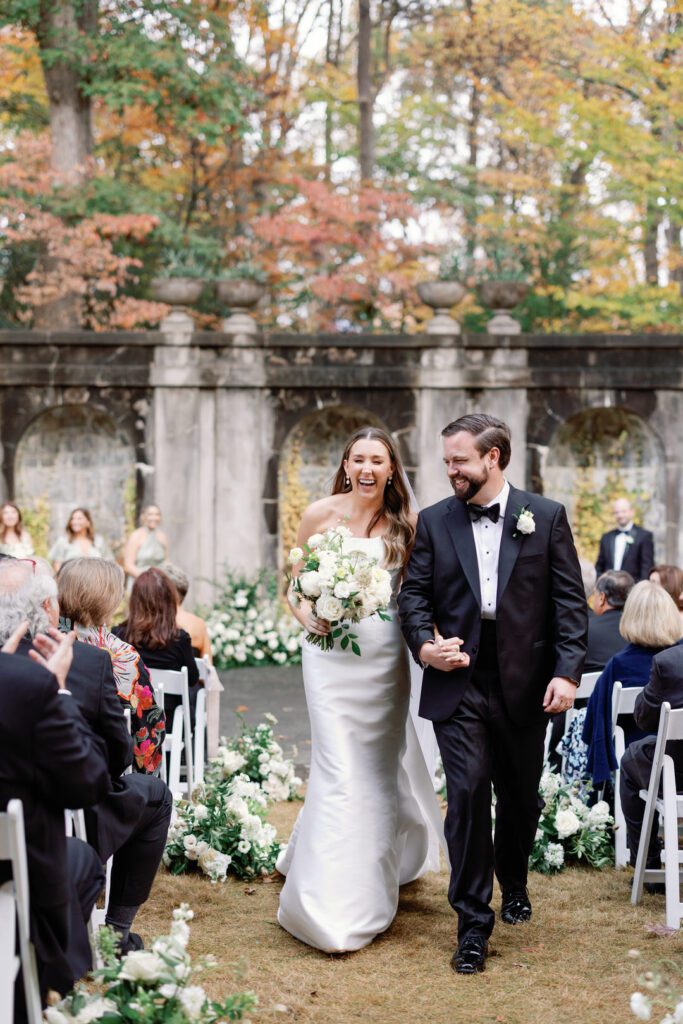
(371, 820)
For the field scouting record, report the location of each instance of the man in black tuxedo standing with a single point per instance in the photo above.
(629, 547)
(496, 566)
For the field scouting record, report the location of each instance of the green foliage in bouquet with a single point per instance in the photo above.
(221, 829)
(149, 986)
(569, 831)
(248, 625)
(256, 754)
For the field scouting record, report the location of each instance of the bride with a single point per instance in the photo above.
(371, 819)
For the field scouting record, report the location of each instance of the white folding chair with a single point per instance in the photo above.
(199, 762)
(583, 692)
(175, 684)
(670, 809)
(623, 703)
(14, 914)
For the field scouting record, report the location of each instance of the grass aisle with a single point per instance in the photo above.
(569, 965)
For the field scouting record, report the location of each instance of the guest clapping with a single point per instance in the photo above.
(192, 624)
(80, 541)
(650, 623)
(90, 591)
(147, 547)
(15, 540)
(151, 628)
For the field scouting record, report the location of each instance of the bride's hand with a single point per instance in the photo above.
(312, 624)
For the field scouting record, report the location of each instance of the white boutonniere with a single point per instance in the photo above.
(628, 538)
(525, 522)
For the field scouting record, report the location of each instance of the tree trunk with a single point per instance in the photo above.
(366, 97)
(60, 27)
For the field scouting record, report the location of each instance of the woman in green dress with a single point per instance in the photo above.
(147, 547)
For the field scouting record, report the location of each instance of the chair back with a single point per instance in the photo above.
(203, 669)
(167, 682)
(13, 849)
(587, 685)
(624, 700)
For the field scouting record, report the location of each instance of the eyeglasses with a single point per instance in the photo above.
(29, 561)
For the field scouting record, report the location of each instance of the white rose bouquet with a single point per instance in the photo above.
(343, 586)
(569, 830)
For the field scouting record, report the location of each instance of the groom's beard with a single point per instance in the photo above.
(467, 487)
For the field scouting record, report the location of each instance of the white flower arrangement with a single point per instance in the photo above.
(343, 586)
(569, 830)
(663, 1001)
(248, 625)
(256, 754)
(158, 984)
(525, 522)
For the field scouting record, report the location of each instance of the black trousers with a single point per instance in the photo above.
(137, 860)
(481, 746)
(636, 768)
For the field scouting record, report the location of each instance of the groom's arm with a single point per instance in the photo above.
(415, 598)
(570, 609)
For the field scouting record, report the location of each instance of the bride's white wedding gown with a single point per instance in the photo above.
(371, 820)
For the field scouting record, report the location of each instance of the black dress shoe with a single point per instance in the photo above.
(516, 906)
(470, 956)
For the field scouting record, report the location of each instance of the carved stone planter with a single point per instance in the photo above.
(176, 291)
(441, 296)
(502, 296)
(240, 293)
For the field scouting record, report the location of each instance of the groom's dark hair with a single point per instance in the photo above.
(488, 433)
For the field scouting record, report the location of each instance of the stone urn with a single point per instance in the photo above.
(502, 296)
(441, 296)
(176, 291)
(240, 293)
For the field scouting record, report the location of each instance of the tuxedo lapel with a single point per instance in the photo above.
(460, 529)
(509, 546)
(611, 544)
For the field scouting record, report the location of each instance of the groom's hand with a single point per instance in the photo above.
(444, 654)
(559, 696)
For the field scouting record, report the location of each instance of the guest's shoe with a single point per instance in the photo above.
(470, 956)
(516, 906)
(655, 888)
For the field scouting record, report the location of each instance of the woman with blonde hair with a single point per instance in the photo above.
(365, 825)
(650, 623)
(90, 591)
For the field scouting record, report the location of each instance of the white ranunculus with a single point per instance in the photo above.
(193, 999)
(141, 965)
(599, 815)
(566, 823)
(525, 521)
(310, 583)
(315, 540)
(640, 1006)
(329, 607)
(295, 555)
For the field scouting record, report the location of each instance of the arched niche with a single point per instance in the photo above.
(601, 454)
(309, 459)
(74, 455)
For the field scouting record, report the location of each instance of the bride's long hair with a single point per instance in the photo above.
(395, 508)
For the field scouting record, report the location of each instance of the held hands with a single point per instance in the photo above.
(559, 695)
(444, 654)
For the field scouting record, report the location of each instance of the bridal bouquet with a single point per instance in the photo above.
(343, 586)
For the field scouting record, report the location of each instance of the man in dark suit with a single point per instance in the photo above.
(665, 684)
(496, 566)
(50, 760)
(131, 822)
(604, 638)
(629, 547)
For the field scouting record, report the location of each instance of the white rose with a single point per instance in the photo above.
(343, 589)
(232, 761)
(640, 1006)
(525, 522)
(193, 999)
(295, 555)
(201, 811)
(314, 540)
(190, 844)
(599, 815)
(215, 864)
(310, 583)
(566, 823)
(329, 607)
(141, 965)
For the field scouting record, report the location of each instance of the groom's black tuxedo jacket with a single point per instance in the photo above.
(541, 615)
(639, 556)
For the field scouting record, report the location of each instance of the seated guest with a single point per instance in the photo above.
(90, 591)
(130, 822)
(604, 638)
(192, 624)
(50, 760)
(80, 541)
(671, 578)
(665, 684)
(151, 629)
(649, 624)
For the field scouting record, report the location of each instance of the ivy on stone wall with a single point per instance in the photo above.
(294, 499)
(37, 519)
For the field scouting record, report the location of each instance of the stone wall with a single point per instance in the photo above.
(206, 424)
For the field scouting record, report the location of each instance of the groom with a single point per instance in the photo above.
(498, 567)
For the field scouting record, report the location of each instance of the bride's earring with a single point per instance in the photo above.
(347, 482)
(389, 480)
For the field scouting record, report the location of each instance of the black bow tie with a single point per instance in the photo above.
(476, 512)
(625, 532)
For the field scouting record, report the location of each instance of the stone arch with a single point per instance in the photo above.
(597, 455)
(74, 455)
(309, 460)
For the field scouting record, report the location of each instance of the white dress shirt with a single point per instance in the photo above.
(620, 542)
(487, 538)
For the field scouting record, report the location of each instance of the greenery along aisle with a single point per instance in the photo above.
(249, 626)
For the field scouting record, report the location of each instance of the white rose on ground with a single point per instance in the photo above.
(566, 823)
(295, 555)
(525, 522)
(640, 1006)
(329, 607)
(141, 965)
(193, 999)
(310, 583)
(315, 540)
